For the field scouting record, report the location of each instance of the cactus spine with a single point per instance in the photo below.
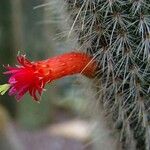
(117, 34)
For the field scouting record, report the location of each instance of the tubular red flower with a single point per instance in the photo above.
(32, 76)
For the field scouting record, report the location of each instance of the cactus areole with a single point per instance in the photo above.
(32, 76)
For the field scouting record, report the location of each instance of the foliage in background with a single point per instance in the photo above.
(7, 48)
(39, 30)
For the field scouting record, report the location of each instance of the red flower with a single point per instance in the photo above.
(25, 78)
(32, 76)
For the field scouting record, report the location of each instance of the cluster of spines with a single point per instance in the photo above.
(117, 34)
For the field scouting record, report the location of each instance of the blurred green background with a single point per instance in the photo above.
(35, 28)
(38, 29)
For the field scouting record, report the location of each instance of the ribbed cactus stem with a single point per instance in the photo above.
(117, 32)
